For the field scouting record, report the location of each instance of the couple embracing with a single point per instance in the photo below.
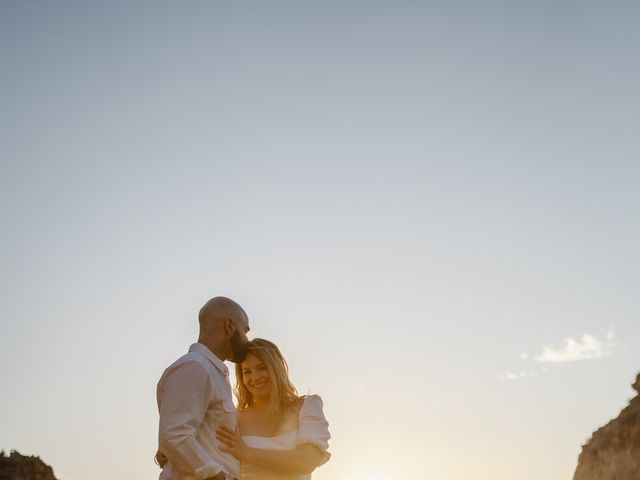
(273, 434)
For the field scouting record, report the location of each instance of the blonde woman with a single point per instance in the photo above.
(282, 435)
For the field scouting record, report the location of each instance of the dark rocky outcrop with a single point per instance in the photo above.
(613, 452)
(21, 467)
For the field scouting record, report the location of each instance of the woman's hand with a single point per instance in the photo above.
(160, 459)
(232, 442)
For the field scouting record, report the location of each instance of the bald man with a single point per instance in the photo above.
(194, 397)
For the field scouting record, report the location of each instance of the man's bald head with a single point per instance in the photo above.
(221, 308)
(223, 328)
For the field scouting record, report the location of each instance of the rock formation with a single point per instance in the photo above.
(20, 467)
(613, 452)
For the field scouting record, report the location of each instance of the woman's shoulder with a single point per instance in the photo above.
(308, 403)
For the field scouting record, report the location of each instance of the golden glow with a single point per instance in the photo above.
(371, 475)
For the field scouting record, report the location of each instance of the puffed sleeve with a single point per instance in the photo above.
(313, 427)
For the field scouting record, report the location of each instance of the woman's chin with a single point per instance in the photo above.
(261, 395)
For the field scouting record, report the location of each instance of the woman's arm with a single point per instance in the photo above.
(301, 460)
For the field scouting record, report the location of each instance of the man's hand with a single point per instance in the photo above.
(232, 442)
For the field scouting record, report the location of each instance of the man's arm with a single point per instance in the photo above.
(183, 396)
(161, 461)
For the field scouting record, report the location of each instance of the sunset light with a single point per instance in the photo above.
(426, 212)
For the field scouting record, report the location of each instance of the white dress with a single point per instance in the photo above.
(312, 428)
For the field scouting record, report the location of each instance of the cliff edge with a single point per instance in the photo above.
(21, 467)
(613, 452)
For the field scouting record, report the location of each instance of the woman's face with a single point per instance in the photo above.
(255, 376)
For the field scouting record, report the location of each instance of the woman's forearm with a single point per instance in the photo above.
(301, 460)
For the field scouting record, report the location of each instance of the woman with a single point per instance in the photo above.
(281, 435)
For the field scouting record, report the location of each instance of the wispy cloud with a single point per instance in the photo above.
(518, 375)
(587, 348)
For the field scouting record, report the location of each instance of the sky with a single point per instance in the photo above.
(431, 207)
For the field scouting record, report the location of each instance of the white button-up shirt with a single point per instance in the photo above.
(194, 397)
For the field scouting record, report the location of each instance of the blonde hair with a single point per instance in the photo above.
(283, 394)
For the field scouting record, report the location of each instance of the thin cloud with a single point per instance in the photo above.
(587, 348)
(518, 375)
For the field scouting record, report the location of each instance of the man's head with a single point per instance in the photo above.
(223, 328)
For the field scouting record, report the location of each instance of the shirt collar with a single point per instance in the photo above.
(199, 347)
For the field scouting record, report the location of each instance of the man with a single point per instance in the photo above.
(194, 397)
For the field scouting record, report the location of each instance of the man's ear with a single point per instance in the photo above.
(229, 327)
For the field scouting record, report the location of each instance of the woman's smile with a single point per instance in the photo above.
(259, 384)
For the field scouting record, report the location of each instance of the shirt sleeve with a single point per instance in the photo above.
(313, 427)
(183, 396)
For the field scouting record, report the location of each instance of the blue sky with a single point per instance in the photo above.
(415, 200)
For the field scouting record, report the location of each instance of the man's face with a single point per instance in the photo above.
(239, 341)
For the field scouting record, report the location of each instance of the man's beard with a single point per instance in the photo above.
(238, 348)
